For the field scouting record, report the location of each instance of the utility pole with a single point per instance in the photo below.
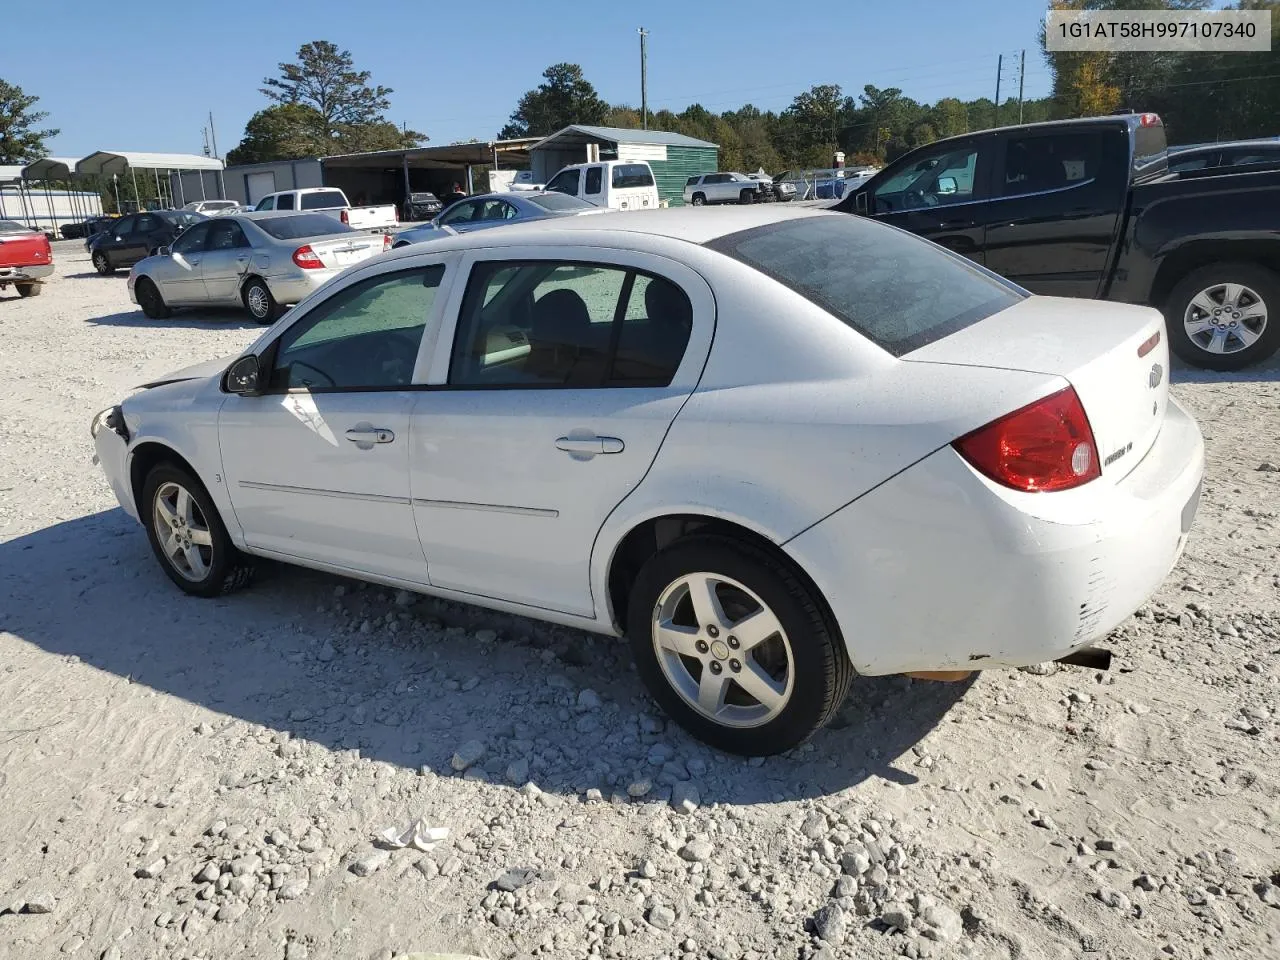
(644, 79)
(1022, 72)
(222, 183)
(214, 136)
(999, 70)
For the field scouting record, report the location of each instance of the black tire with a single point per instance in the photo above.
(227, 568)
(29, 289)
(102, 264)
(150, 300)
(747, 196)
(821, 672)
(699, 199)
(269, 309)
(1263, 283)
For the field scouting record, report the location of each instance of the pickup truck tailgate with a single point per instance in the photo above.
(1115, 356)
(24, 250)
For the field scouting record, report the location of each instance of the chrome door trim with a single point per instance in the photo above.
(319, 492)
(488, 507)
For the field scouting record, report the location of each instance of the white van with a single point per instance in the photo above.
(616, 184)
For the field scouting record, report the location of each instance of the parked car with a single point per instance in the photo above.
(724, 188)
(95, 225)
(332, 201)
(990, 479)
(779, 191)
(1208, 156)
(1086, 208)
(26, 258)
(137, 236)
(210, 208)
(615, 184)
(259, 260)
(496, 210)
(421, 206)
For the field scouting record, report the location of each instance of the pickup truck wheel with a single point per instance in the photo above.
(698, 200)
(188, 536)
(734, 647)
(28, 289)
(150, 300)
(259, 302)
(102, 264)
(1225, 316)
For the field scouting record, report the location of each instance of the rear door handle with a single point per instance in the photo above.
(365, 436)
(589, 446)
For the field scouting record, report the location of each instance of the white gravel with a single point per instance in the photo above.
(186, 778)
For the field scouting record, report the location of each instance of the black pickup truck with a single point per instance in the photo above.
(1088, 208)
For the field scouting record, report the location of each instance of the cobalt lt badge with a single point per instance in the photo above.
(1157, 375)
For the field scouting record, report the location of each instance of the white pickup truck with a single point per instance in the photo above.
(334, 202)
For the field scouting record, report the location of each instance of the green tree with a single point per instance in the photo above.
(564, 97)
(287, 131)
(325, 79)
(20, 141)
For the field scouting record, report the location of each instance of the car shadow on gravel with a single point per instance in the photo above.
(1266, 372)
(407, 680)
(203, 319)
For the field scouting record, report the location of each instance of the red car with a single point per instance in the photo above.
(26, 258)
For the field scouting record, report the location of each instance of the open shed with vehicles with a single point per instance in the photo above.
(674, 157)
(205, 173)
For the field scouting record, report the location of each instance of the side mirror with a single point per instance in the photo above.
(946, 185)
(163, 251)
(860, 202)
(243, 377)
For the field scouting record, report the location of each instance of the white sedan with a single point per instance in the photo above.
(775, 448)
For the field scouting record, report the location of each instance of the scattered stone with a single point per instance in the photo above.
(661, 916)
(518, 770)
(1267, 467)
(1113, 898)
(151, 870)
(530, 790)
(1097, 765)
(593, 795)
(327, 652)
(896, 914)
(293, 889)
(846, 886)
(513, 880)
(685, 797)
(648, 869)
(589, 700)
(42, 902)
(469, 753)
(1146, 882)
(815, 825)
(830, 924)
(208, 874)
(697, 851)
(370, 863)
(639, 788)
(1109, 845)
(296, 951)
(855, 861)
(231, 911)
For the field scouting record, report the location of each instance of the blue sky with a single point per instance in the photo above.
(458, 76)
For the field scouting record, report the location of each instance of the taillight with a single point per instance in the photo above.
(1047, 445)
(344, 218)
(307, 258)
(386, 242)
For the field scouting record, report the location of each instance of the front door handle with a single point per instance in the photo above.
(365, 436)
(589, 446)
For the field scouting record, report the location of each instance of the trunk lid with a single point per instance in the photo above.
(24, 250)
(345, 249)
(1103, 350)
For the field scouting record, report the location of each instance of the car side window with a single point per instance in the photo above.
(1043, 163)
(595, 176)
(123, 228)
(463, 210)
(566, 181)
(267, 203)
(225, 235)
(364, 337)
(937, 178)
(574, 325)
(192, 239)
(147, 224)
(692, 181)
(284, 201)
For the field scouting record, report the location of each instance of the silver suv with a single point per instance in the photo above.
(725, 188)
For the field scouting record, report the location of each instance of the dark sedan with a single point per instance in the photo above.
(421, 206)
(137, 237)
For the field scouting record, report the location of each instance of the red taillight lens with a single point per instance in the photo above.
(307, 258)
(1047, 445)
(386, 241)
(344, 218)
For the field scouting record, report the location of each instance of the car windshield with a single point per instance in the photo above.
(853, 267)
(13, 226)
(559, 201)
(423, 198)
(182, 218)
(297, 226)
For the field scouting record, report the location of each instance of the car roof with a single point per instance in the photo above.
(697, 225)
(1225, 145)
(272, 214)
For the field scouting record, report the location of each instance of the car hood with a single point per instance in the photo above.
(197, 371)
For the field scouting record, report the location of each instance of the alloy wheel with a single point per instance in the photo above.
(183, 532)
(723, 650)
(1225, 318)
(258, 304)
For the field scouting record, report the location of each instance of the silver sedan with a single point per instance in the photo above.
(496, 210)
(258, 260)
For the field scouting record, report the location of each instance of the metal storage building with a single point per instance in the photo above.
(673, 156)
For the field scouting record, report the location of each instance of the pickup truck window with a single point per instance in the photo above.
(266, 203)
(284, 201)
(595, 177)
(1036, 164)
(566, 181)
(321, 200)
(632, 175)
(933, 180)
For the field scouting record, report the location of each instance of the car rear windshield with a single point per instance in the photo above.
(301, 225)
(559, 201)
(322, 200)
(895, 289)
(632, 175)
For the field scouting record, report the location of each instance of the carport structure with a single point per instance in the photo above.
(58, 168)
(111, 164)
(387, 176)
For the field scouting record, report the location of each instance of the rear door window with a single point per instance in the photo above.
(851, 267)
(594, 180)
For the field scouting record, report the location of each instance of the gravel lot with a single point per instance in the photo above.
(185, 778)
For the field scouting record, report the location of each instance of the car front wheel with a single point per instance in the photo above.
(1225, 316)
(150, 300)
(735, 647)
(188, 536)
(102, 264)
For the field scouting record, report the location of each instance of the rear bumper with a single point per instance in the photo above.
(941, 569)
(27, 274)
(293, 285)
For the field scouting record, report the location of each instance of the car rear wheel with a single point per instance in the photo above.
(29, 289)
(735, 647)
(1225, 316)
(699, 199)
(188, 536)
(150, 300)
(259, 302)
(102, 264)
